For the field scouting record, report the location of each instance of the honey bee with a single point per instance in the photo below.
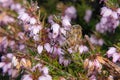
(73, 37)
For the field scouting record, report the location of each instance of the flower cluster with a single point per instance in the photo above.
(30, 24)
(112, 52)
(59, 30)
(15, 39)
(64, 61)
(83, 49)
(109, 20)
(5, 19)
(11, 5)
(28, 21)
(93, 66)
(38, 72)
(6, 65)
(6, 3)
(88, 15)
(57, 34)
(6, 44)
(96, 41)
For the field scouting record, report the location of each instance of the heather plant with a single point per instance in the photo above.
(59, 40)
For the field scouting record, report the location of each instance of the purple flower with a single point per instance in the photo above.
(118, 11)
(47, 46)
(83, 49)
(112, 52)
(93, 77)
(32, 20)
(50, 19)
(45, 70)
(26, 77)
(6, 63)
(35, 29)
(109, 20)
(105, 12)
(6, 19)
(70, 12)
(3, 44)
(88, 15)
(96, 41)
(110, 77)
(64, 61)
(70, 50)
(6, 3)
(55, 27)
(66, 23)
(63, 31)
(24, 17)
(41, 70)
(42, 78)
(40, 49)
(92, 66)
(116, 57)
(47, 77)
(16, 7)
